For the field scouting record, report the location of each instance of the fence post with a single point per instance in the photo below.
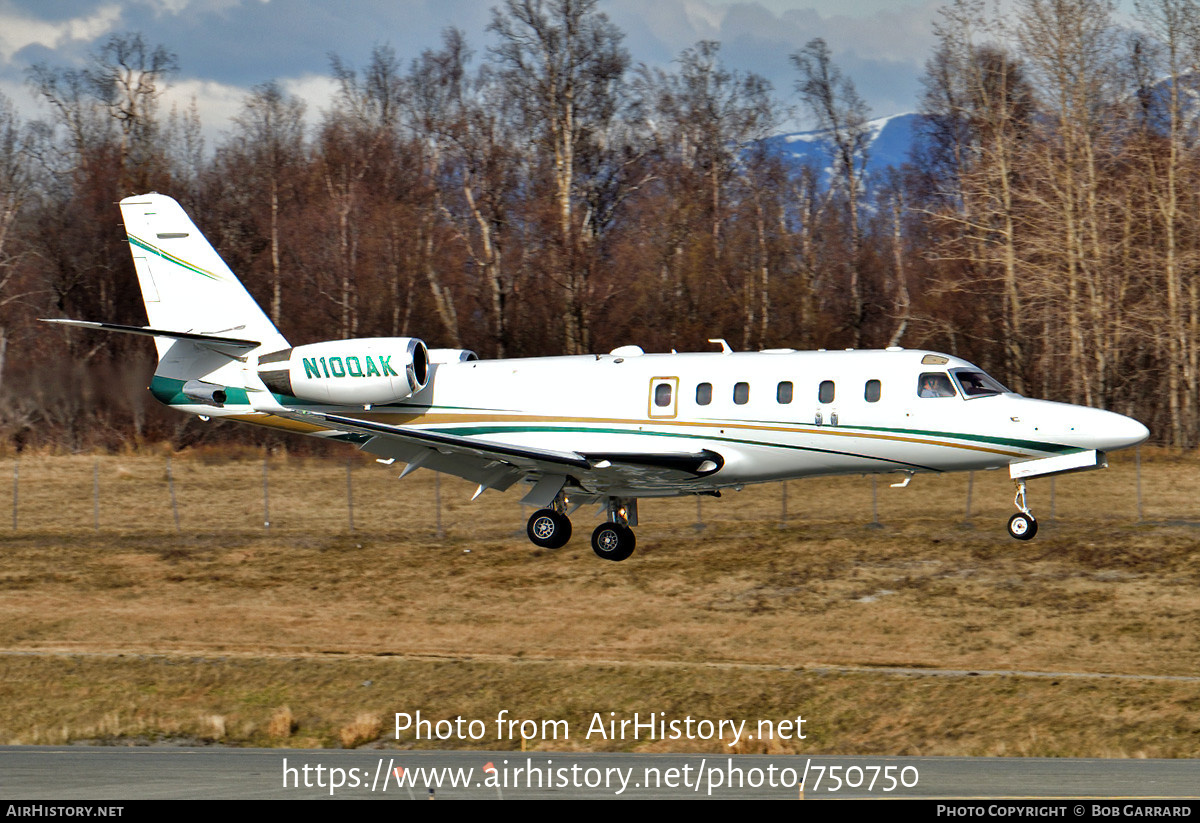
(437, 503)
(349, 494)
(266, 498)
(171, 488)
(874, 524)
(96, 494)
(970, 491)
(16, 488)
(783, 506)
(1138, 452)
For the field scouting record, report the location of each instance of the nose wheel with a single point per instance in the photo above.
(1022, 525)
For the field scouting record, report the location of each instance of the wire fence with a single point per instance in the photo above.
(203, 494)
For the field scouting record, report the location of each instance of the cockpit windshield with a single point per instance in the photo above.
(977, 384)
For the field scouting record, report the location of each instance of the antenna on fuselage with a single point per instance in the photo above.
(725, 349)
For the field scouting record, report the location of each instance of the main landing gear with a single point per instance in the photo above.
(613, 540)
(1022, 525)
(549, 529)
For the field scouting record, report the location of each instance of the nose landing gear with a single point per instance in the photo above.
(1022, 525)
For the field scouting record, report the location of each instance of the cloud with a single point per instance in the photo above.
(218, 103)
(20, 29)
(225, 47)
(882, 46)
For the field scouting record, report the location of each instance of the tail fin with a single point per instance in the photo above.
(185, 284)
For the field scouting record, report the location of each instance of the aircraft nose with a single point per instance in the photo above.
(1110, 431)
(1127, 432)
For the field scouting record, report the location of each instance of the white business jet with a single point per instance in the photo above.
(603, 429)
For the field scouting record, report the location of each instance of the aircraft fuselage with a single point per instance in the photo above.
(770, 415)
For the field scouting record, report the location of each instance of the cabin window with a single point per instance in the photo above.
(741, 393)
(704, 394)
(873, 391)
(662, 395)
(935, 384)
(783, 392)
(825, 392)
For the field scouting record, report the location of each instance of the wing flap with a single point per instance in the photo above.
(494, 465)
(455, 444)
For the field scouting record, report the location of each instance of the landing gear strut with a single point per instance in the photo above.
(614, 540)
(1022, 525)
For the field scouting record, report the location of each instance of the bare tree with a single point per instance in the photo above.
(474, 165)
(1070, 49)
(269, 141)
(843, 115)
(563, 66)
(703, 119)
(127, 77)
(17, 182)
(1166, 85)
(978, 111)
(69, 94)
(356, 150)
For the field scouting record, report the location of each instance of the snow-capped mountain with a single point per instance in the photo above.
(890, 143)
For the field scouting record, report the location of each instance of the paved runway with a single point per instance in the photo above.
(138, 773)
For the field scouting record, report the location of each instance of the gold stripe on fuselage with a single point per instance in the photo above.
(276, 422)
(439, 419)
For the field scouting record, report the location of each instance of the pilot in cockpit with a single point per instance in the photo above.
(935, 384)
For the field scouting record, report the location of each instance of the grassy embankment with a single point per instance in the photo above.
(310, 634)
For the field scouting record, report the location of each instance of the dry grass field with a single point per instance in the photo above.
(309, 633)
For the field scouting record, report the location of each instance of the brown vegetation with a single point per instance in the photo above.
(310, 634)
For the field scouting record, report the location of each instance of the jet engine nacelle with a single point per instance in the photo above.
(369, 371)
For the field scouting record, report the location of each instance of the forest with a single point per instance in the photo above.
(544, 193)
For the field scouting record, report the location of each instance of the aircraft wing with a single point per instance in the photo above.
(495, 465)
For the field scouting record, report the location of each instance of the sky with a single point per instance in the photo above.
(225, 47)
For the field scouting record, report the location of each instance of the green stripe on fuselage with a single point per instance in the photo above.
(1027, 445)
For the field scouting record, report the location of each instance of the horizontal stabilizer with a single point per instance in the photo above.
(212, 341)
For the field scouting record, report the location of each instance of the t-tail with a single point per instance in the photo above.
(204, 323)
(218, 349)
(185, 283)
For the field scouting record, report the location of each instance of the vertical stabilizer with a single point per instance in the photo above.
(186, 285)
